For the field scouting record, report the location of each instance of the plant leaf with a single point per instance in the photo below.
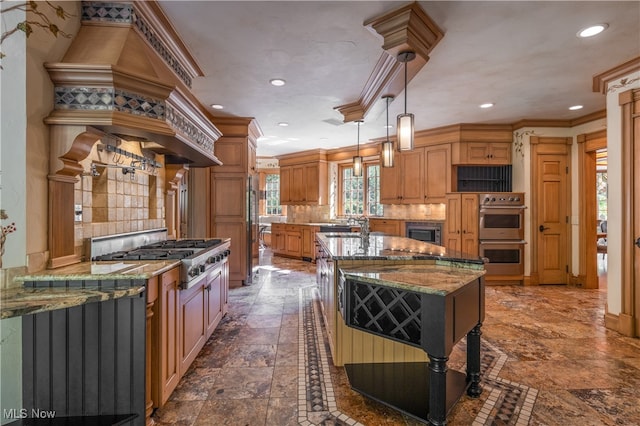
(25, 27)
(33, 4)
(54, 29)
(60, 12)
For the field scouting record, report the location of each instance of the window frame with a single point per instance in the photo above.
(262, 203)
(365, 166)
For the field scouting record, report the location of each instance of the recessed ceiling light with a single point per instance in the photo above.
(217, 106)
(487, 105)
(277, 82)
(283, 124)
(575, 107)
(592, 30)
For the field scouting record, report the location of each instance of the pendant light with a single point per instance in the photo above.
(386, 154)
(357, 160)
(405, 121)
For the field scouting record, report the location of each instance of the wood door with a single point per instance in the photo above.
(550, 204)
(293, 243)
(311, 183)
(477, 153)
(193, 327)
(285, 185)
(500, 153)
(629, 239)
(215, 295)
(437, 173)
(469, 223)
(452, 238)
(390, 183)
(413, 177)
(298, 190)
(167, 320)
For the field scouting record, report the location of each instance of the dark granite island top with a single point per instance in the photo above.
(350, 246)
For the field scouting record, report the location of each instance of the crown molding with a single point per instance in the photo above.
(601, 81)
(405, 28)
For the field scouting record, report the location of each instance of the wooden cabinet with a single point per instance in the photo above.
(303, 184)
(437, 173)
(304, 178)
(420, 176)
(166, 323)
(481, 153)
(193, 327)
(296, 241)
(215, 295)
(404, 183)
(461, 225)
(309, 242)
(386, 226)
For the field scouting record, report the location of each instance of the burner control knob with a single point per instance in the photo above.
(493, 199)
(486, 200)
(212, 259)
(517, 198)
(511, 199)
(201, 268)
(194, 272)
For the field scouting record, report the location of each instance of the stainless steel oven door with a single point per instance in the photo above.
(505, 257)
(501, 223)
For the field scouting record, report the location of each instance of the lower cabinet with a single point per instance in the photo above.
(181, 323)
(297, 241)
(386, 226)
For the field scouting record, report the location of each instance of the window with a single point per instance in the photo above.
(272, 194)
(360, 195)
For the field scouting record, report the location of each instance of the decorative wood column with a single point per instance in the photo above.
(61, 190)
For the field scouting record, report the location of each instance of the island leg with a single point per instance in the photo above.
(473, 361)
(437, 391)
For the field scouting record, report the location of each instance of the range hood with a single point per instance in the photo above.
(128, 73)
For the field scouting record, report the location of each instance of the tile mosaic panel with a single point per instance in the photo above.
(108, 98)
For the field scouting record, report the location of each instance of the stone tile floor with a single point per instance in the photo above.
(547, 359)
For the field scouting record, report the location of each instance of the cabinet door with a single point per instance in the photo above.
(298, 190)
(252, 159)
(285, 185)
(215, 294)
(166, 366)
(278, 238)
(452, 238)
(311, 183)
(469, 223)
(500, 153)
(477, 153)
(387, 226)
(309, 242)
(293, 243)
(413, 176)
(193, 324)
(390, 190)
(437, 173)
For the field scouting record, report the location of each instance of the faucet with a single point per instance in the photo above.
(363, 222)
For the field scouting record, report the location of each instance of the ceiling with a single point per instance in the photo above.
(522, 56)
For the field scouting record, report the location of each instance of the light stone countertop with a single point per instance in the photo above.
(350, 246)
(15, 302)
(422, 278)
(103, 270)
(79, 284)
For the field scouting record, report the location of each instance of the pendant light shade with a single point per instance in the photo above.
(357, 160)
(405, 121)
(386, 153)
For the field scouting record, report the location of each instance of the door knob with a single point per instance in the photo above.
(638, 242)
(542, 228)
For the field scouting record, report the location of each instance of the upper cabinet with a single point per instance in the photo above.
(482, 153)
(419, 176)
(304, 179)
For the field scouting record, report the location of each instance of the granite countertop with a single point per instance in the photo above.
(350, 246)
(430, 279)
(103, 270)
(15, 302)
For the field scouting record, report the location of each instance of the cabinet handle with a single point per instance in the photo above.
(464, 231)
(208, 287)
(458, 231)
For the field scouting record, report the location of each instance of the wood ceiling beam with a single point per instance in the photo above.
(407, 28)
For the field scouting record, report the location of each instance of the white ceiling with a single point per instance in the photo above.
(522, 56)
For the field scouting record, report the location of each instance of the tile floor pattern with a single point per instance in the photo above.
(547, 359)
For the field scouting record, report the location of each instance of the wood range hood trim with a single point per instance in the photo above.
(135, 84)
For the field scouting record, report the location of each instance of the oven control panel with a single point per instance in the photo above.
(502, 199)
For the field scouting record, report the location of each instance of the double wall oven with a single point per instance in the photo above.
(501, 235)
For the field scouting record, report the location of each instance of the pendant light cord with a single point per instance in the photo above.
(405, 87)
(359, 138)
(387, 118)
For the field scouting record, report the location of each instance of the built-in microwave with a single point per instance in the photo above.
(429, 232)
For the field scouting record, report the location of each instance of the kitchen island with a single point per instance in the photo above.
(394, 309)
